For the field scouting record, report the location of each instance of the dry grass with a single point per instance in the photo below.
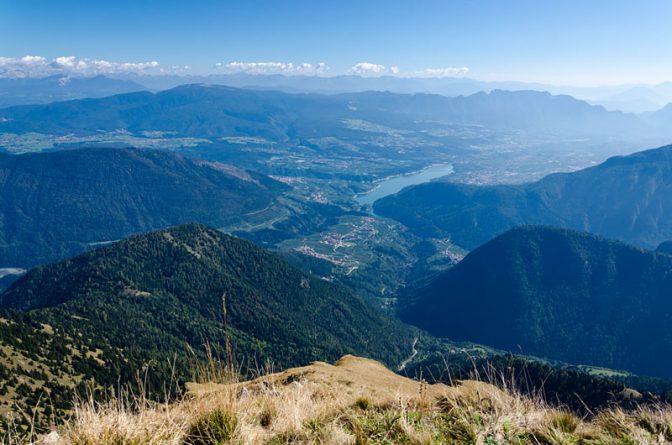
(355, 401)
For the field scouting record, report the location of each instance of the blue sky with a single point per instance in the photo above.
(563, 42)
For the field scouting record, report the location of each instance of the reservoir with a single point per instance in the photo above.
(397, 183)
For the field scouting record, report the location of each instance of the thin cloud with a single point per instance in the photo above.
(286, 68)
(38, 66)
(368, 68)
(443, 72)
(32, 60)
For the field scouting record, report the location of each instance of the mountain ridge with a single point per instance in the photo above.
(216, 110)
(625, 197)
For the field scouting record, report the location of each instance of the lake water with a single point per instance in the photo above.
(11, 271)
(397, 183)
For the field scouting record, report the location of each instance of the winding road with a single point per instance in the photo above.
(414, 352)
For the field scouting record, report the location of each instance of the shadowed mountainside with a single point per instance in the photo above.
(559, 294)
(53, 205)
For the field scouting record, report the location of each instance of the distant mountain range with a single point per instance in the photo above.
(446, 86)
(627, 98)
(627, 198)
(639, 99)
(53, 205)
(141, 303)
(34, 90)
(559, 294)
(24, 91)
(217, 111)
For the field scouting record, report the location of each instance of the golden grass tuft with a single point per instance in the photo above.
(213, 427)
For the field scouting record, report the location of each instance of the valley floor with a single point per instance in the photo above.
(354, 401)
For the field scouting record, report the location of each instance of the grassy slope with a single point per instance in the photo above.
(357, 401)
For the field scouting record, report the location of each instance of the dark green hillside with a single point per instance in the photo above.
(170, 283)
(627, 198)
(559, 294)
(53, 205)
(109, 313)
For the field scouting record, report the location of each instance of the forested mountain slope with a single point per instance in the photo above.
(53, 205)
(559, 294)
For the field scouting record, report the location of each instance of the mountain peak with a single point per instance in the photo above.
(186, 270)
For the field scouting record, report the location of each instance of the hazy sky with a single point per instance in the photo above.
(564, 42)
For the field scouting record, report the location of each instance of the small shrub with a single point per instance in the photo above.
(613, 422)
(315, 429)
(414, 417)
(107, 438)
(565, 422)
(455, 430)
(213, 428)
(286, 438)
(362, 403)
(655, 424)
(266, 416)
(377, 427)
